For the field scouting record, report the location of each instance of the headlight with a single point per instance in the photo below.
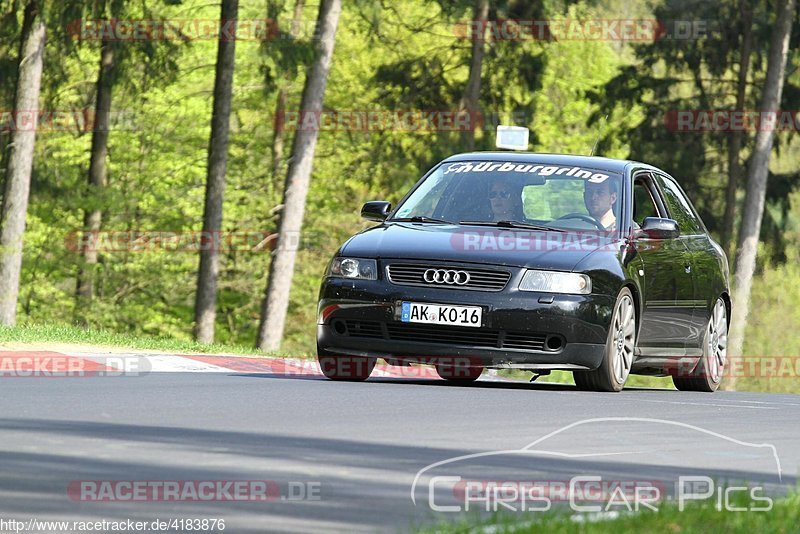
(555, 282)
(354, 268)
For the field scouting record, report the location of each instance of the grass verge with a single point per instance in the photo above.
(67, 334)
(784, 517)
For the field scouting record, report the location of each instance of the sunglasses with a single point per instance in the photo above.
(499, 194)
(601, 192)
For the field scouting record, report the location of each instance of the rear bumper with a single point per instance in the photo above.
(362, 318)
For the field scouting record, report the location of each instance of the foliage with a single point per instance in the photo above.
(673, 74)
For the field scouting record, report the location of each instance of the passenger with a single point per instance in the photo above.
(505, 201)
(599, 199)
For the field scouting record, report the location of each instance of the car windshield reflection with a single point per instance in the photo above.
(516, 195)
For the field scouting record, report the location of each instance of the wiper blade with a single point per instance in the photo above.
(420, 218)
(513, 224)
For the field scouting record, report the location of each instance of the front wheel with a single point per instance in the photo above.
(458, 374)
(345, 368)
(616, 365)
(708, 373)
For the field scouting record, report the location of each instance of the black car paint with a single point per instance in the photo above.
(675, 283)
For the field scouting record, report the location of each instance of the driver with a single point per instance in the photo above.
(505, 201)
(599, 199)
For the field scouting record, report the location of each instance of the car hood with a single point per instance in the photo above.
(478, 244)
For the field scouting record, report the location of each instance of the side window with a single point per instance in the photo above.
(426, 198)
(679, 207)
(643, 204)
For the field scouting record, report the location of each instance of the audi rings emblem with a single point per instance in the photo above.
(446, 276)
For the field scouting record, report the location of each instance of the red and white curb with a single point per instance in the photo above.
(43, 363)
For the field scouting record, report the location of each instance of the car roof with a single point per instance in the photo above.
(592, 162)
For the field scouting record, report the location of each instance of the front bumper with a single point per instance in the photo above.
(361, 317)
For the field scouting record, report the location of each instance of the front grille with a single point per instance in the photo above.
(409, 274)
(444, 335)
(364, 329)
(448, 335)
(517, 340)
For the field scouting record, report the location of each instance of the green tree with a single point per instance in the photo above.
(757, 174)
(20, 159)
(208, 272)
(276, 300)
(98, 170)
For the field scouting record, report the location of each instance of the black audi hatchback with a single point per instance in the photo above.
(532, 261)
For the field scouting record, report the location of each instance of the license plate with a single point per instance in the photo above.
(416, 312)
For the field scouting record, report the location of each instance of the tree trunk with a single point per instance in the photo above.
(470, 102)
(276, 300)
(205, 310)
(20, 161)
(98, 175)
(283, 95)
(757, 178)
(277, 134)
(735, 170)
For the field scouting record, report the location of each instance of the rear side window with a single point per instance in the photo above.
(643, 204)
(679, 207)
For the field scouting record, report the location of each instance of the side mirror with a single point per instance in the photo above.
(658, 228)
(376, 210)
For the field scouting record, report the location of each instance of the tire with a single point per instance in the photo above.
(345, 368)
(459, 374)
(708, 373)
(615, 368)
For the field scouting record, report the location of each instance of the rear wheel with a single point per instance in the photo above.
(708, 373)
(347, 368)
(459, 374)
(616, 365)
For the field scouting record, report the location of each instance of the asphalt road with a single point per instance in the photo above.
(350, 453)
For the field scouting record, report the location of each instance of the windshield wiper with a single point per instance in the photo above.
(513, 224)
(421, 219)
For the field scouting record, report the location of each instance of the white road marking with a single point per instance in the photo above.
(707, 404)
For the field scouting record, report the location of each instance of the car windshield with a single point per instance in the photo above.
(512, 194)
